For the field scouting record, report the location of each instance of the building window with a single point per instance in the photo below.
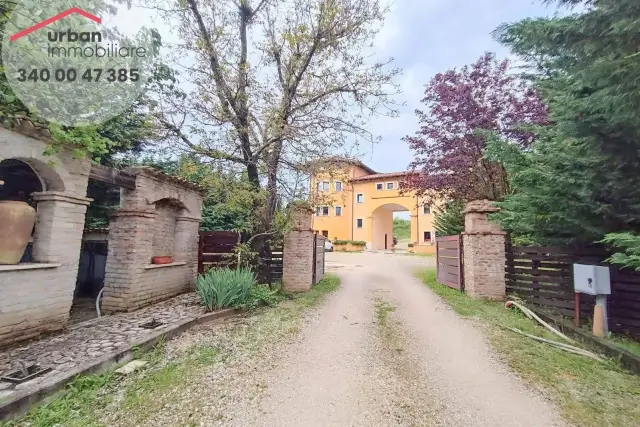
(322, 211)
(426, 209)
(359, 198)
(338, 210)
(389, 185)
(380, 186)
(323, 186)
(427, 236)
(338, 186)
(359, 223)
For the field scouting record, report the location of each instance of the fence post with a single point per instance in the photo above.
(484, 252)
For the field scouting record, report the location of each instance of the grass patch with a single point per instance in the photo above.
(628, 344)
(382, 310)
(74, 408)
(318, 292)
(589, 393)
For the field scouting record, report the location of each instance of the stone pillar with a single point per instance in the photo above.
(297, 268)
(57, 239)
(185, 245)
(484, 252)
(58, 230)
(130, 249)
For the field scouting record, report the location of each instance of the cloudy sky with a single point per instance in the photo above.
(425, 37)
(430, 36)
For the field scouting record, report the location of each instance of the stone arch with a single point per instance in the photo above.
(51, 169)
(382, 224)
(50, 179)
(169, 197)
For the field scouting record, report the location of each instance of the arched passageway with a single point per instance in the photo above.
(382, 225)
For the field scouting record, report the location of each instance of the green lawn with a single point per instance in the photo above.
(589, 393)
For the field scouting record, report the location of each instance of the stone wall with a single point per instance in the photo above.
(297, 262)
(37, 297)
(160, 217)
(484, 252)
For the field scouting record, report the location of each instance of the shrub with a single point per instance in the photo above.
(262, 293)
(223, 287)
(411, 245)
(351, 242)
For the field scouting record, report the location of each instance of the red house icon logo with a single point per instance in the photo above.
(54, 19)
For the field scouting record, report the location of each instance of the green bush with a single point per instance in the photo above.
(223, 287)
(411, 245)
(262, 294)
(352, 242)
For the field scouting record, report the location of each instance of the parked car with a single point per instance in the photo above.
(328, 246)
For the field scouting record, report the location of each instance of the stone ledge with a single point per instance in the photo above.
(21, 403)
(173, 264)
(29, 266)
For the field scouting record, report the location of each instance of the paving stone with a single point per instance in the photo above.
(97, 338)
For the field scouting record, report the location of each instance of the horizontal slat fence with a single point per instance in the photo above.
(271, 267)
(216, 249)
(543, 276)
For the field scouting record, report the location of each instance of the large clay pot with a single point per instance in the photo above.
(16, 224)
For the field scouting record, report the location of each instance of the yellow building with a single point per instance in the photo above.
(353, 202)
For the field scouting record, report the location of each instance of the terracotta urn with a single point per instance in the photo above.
(16, 224)
(162, 259)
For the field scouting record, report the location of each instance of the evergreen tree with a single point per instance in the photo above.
(449, 220)
(581, 178)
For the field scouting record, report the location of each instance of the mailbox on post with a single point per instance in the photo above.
(594, 280)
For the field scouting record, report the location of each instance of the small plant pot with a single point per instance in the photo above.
(162, 259)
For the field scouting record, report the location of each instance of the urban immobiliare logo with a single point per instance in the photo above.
(79, 64)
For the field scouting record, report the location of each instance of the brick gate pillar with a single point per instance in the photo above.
(297, 259)
(130, 249)
(484, 252)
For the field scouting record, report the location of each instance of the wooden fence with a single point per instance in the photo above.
(543, 276)
(216, 249)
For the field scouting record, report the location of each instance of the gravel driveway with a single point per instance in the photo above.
(420, 365)
(382, 350)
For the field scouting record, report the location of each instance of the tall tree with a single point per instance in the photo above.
(129, 131)
(581, 180)
(277, 84)
(460, 107)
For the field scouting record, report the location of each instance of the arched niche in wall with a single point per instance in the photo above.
(167, 211)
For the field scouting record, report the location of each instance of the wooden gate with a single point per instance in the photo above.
(449, 261)
(318, 257)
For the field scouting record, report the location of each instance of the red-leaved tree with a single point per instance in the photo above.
(449, 146)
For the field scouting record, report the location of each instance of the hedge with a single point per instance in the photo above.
(352, 242)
